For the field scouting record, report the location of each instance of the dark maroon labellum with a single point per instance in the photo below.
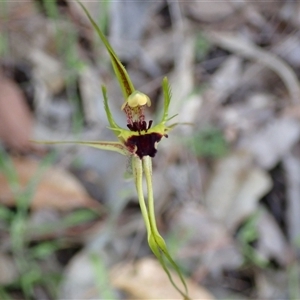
(145, 144)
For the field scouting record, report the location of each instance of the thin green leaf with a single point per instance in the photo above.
(120, 71)
(105, 291)
(8, 169)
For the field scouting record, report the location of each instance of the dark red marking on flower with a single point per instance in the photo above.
(125, 82)
(144, 144)
(134, 114)
(138, 126)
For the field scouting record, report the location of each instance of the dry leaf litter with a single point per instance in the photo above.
(226, 181)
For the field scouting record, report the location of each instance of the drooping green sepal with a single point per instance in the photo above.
(110, 146)
(120, 71)
(158, 246)
(155, 240)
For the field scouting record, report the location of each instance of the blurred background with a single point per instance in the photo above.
(226, 181)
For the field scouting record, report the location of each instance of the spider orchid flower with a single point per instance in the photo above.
(139, 141)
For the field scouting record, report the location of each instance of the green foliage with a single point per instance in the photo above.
(4, 40)
(3, 44)
(69, 56)
(102, 277)
(78, 217)
(7, 168)
(208, 142)
(16, 224)
(202, 46)
(293, 281)
(51, 8)
(3, 294)
(247, 235)
(6, 214)
(72, 219)
(176, 240)
(44, 249)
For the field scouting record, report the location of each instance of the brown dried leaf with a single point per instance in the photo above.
(147, 280)
(16, 11)
(48, 69)
(272, 243)
(205, 239)
(273, 141)
(273, 284)
(235, 189)
(227, 78)
(9, 272)
(90, 91)
(181, 80)
(57, 188)
(209, 11)
(291, 164)
(247, 49)
(15, 118)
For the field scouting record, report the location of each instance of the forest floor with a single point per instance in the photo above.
(226, 180)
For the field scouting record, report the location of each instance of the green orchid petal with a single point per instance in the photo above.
(113, 125)
(120, 71)
(110, 146)
(161, 127)
(167, 99)
(122, 134)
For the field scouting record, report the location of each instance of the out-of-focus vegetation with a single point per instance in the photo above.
(226, 181)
